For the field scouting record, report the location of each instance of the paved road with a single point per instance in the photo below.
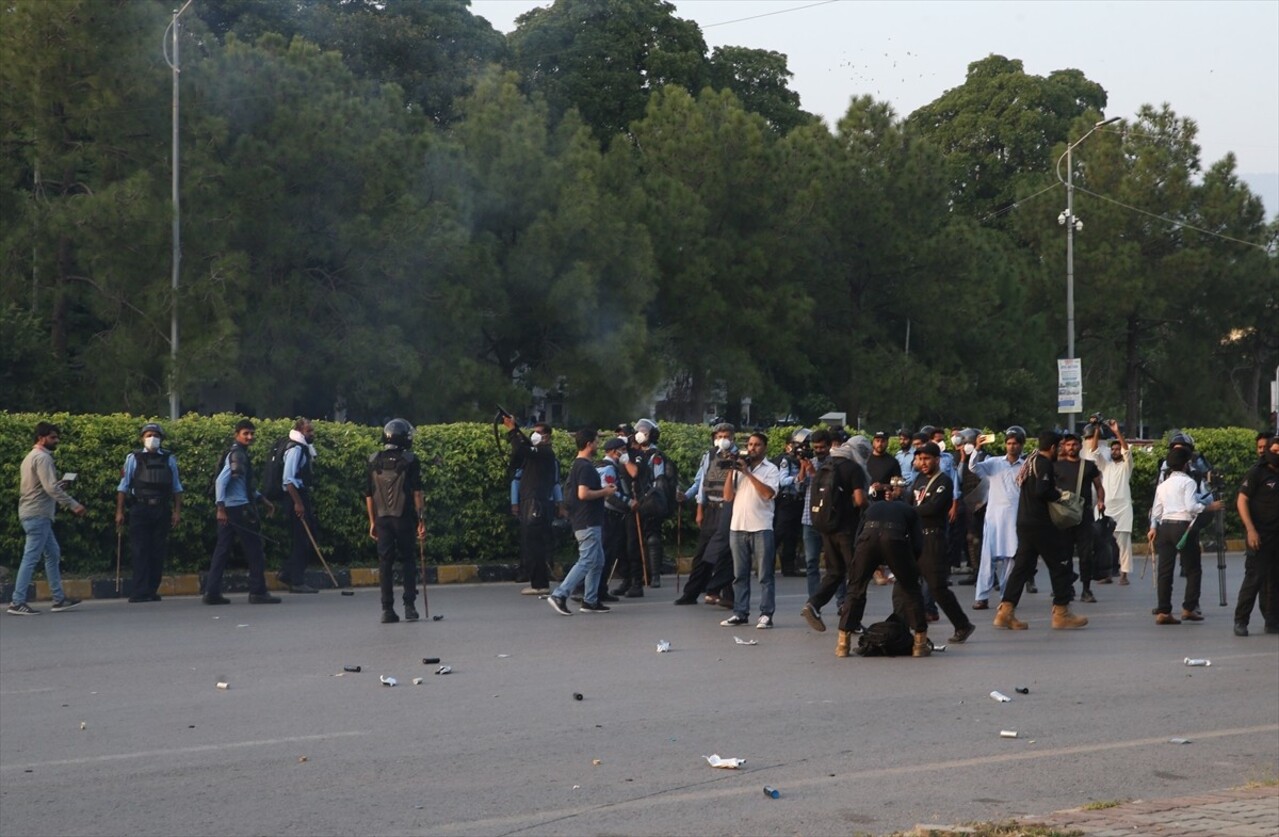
(500, 746)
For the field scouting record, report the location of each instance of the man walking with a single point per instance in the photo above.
(299, 478)
(751, 488)
(150, 487)
(237, 516)
(586, 496)
(838, 495)
(41, 492)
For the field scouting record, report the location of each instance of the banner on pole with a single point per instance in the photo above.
(1070, 385)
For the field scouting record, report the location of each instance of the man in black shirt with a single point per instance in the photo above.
(585, 500)
(1079, 539)
(933, 495)
(1038, 536)
(535, 496)
(891, 535)
(1258, 506)
(881, 466)
(838, 495)
(393, 500)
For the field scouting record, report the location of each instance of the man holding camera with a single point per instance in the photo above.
(838, 492)
(751, 487)
(713, 560)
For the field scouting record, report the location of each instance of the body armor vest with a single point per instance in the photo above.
(151, 475)
(390, 473)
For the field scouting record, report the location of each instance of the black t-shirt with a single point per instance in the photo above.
(583, 514)
(1261, 485)
(1068, 472)
(881, 469)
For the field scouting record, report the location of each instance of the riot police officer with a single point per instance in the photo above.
(151, 490)
(393, 500)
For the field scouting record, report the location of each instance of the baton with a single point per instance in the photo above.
(311, 537)
(1221, 557)
(421, 553)
(1185, 537)
(639, 530)
(119, 540)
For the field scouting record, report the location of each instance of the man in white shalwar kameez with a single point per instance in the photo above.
(1115, 462)
(999, 535)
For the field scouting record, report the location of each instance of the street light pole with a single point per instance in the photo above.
(175, 65)
(1072, 224)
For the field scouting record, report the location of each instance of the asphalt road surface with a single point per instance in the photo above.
(111, 721)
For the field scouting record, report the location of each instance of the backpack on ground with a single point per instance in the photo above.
(273, 472)
(890, 638)
(827, 498)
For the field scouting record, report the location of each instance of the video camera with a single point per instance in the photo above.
(731, 459)
(802, 450)
(1098, 425)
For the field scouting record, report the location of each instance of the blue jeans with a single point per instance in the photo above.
(752, 548)
(813, 558)
(590, 563)
(40, 541)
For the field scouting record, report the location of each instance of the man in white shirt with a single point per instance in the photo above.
(1174, 511)
(751, 489)
(1116, 474)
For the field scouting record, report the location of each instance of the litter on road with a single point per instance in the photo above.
(388, 681)
(727, 764)
(1001, 697)
(663, 646)
(741, 641)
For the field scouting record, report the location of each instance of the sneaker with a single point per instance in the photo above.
(559, 605)
(23, 609)
(410, 614)
(215, 600)
(734, 620)
(962, 634)
(389, 617)
(303, 588)
(813, 618)
(587, 607)
(1087, 597)
(765, 622)
(1241, 629)
(265, 599)
(65, 604)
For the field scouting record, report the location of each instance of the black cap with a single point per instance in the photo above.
(614, 443)
(929, 448)
(880, 435)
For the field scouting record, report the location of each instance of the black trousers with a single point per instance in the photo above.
(242, 524)
(1260, 574)
(650, 528)
(1166, 536)
(1033, 543)
(148, 544)
(395, 537)
(630, 564)
(614, 539)
(934, 569)
(875, 547)
(786, 530)
(535, 542)
(1079, 540)
(300, 553)
(712, 568)
(837, 549)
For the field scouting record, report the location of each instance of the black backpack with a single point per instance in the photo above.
(890, 638)
(660, 501)
(828, 500)
(273, 472)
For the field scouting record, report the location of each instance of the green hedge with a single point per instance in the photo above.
(465, 471)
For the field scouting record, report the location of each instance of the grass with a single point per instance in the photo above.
(1103, 804)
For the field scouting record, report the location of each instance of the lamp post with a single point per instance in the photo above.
(175, 65)
(1071, 222)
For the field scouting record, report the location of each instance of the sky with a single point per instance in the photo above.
(1214, 62)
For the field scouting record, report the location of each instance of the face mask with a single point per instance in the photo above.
(536, 438)
(969, 449)
(724, 444)
(151, 443)
(641, 437)
(956, 440)
(624, 458)
(941, 445)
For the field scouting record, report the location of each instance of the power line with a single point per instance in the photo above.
(1173, 221)
(769, 14)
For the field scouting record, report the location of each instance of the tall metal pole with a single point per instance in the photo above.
(1070, 272)
(177, 233)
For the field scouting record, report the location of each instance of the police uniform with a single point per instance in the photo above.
(932, 497)
(234, 492)
(788, 514)
(1261, 566)
(393, 481)
(617, 508)
(649, 489)
(149, 484)
(712, 569)
(890, 535)
(299, 473)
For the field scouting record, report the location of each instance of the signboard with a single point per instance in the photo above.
(1070, 386)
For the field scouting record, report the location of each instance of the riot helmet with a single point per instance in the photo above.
(398, 433)
(151, 427)
(800, 436)
(1181, 437)
(1017, 432)
(647, 431)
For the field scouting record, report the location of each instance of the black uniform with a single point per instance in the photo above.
(1261, 566)
(538, 473)
(788, 513)
(393, 476)
(1080, 539)
(837, 545)
(616, 512)
(890, 534)
(712, 568)
(650, 490)
(932, 498)
(1038, 536)
(880, 469)
(149, 495)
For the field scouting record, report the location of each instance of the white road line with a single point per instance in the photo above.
(206, 748)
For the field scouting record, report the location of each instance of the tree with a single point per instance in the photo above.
(759, 78)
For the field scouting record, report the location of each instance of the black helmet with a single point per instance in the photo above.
(151, 427)
(1181, 437)
(398, 432)
(648, 427)
(928, 430)
(800, 436)
(1017, 432)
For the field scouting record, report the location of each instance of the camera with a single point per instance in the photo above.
(730, 459)
(802, 450)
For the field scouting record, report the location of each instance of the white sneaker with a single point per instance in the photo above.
(764, 622)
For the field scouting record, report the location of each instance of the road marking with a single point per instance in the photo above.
(27, 691)
(712, 788)
(180, 751)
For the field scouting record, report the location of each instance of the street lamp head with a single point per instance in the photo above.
(1061, 218)
(1111, 121)
(1079, 225)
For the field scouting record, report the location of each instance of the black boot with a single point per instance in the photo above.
(410, 613)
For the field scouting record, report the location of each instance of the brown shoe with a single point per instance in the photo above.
(842, 644)
(981, 604)
(922, 648)
(1123, 579)
(1167, 619)
(1063, 619)
(1192, 616)
(1006, 617)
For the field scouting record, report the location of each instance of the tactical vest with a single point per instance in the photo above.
(715, 477)
(608, 469)
(152, 478)
(390, 470)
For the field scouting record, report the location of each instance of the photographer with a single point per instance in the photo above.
(750, 487)
(790, 500)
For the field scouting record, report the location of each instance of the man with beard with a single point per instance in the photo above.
(41, 494)
(999, 535)
(1116, 475)
(1258, 506)
(838, 492)
(712, 562)
(1080, 538)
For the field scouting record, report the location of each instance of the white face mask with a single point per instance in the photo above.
(151, 443)
(970, 449)
(536, 438)
(624, 458)
(956, 440)
(641, 437)
(941, 445)
(724, 444)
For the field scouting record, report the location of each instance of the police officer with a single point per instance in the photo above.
(1258, 506)
(890, 535)
(712, 568)
(299, 478)
(150, 488)
(932, 496)
(536, 497)
(648, 470)
(617, 508)
(789, 508)
(393, 500)
(236, 497)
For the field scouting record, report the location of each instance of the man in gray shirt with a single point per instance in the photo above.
(41, 494)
